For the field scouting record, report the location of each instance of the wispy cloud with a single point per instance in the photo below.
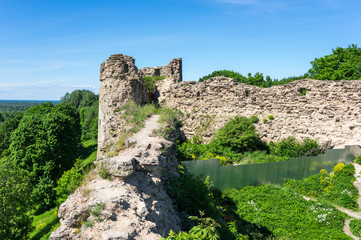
(239, 2)
(255, 5)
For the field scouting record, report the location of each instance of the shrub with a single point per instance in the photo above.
(259, 157)
(254, 119)
(67, 184)
(104, 173)
(271, 117)
(238, 135)
(290, 147)
(265, 120)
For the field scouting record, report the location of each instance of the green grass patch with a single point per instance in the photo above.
(44, 224)
(355, 226)
(135, 114)
(88, 155)
(336, 187)
(285, 214)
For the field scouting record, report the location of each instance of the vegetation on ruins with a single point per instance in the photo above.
(342, 64)
(149, 82)
(239, 142)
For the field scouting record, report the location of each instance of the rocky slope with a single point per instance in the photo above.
(134, 204)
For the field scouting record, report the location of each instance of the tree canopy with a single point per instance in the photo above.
(14, 201)
(45, 144)
(87, 103)
(343, 63)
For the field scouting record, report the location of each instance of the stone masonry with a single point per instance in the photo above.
(323, 110)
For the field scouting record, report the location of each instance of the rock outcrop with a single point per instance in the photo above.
(133, 204)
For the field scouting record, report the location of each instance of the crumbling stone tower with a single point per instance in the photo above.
(121, 81)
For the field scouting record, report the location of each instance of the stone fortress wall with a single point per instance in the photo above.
(330, 110)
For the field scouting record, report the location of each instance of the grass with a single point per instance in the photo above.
(336, 187)
(88, 155)
(355, 226)
(44, 224)
(284, 214)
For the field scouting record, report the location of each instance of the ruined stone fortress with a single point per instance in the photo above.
(134, 202)
(323, 110)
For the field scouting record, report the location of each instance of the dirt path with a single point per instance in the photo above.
(143, 137)
(346, 229)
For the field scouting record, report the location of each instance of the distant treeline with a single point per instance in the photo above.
(342, 64)
(10, 108)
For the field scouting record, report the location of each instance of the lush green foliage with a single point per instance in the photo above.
(5, 131)
(15, 201)
(87, 104)
(290, 147)
(343, 63)
(89, 121)
(285, 214)
(238, 135)
(200, 201)
(239, 142)
(259, 157)
(44, 224)
(149, 82)
(355, 226)
(336, 187)
(257, 79)
(45, 144)
(66, 185)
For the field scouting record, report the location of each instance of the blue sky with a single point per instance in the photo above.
(48, 48)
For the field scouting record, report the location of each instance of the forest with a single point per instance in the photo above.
(46, 150)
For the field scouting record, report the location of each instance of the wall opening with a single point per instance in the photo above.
(157, 72)
(303, 91)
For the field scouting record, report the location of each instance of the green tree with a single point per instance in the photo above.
(6, 129)
(15, 191)
(80, 98)
(87, 103)
(343, 63)
(45, 144)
